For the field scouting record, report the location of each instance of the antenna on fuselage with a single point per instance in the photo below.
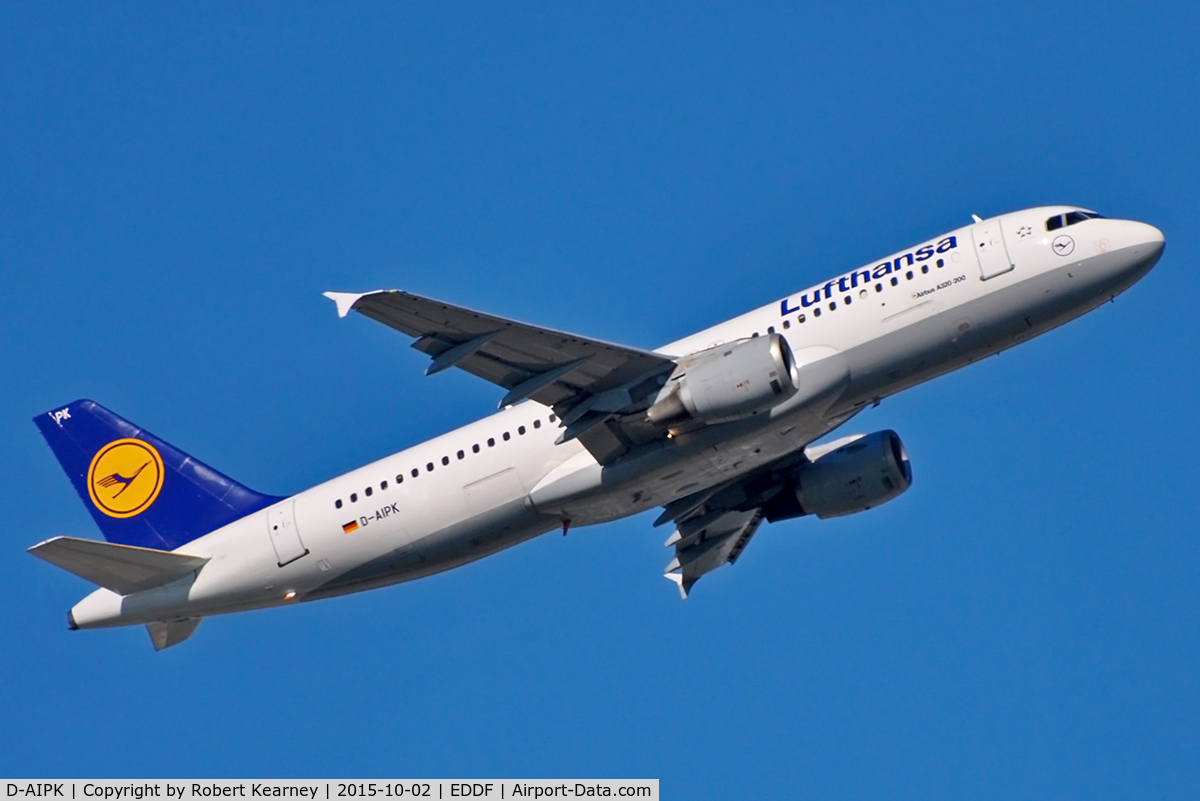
(976, 218)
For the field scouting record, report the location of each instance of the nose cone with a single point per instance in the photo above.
(1153, 241)
(1142, 237)
(1144, 243)
(1151, 236)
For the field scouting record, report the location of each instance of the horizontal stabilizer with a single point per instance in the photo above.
(165, 633)
(124, 569)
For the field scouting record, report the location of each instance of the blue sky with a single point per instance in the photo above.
(180, 183)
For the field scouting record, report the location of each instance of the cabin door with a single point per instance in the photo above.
(281, 525)
(990, 250)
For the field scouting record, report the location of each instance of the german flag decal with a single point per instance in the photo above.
(350, 528)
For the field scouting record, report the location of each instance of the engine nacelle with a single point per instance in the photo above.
(857, 476)
(734, 382)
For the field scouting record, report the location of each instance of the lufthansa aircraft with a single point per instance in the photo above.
(715, 428)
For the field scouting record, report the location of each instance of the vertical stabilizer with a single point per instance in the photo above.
(139, 489)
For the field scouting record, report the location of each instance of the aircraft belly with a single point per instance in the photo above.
(475, 537)
(1028, 308)
(913, 343)
(687, 464)
(966, 332)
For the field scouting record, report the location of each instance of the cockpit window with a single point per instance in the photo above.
(1070, 218)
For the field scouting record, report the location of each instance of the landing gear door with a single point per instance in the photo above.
(990, 250)
(281, 525)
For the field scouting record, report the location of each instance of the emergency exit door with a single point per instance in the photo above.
(990, 250)
(285, 537)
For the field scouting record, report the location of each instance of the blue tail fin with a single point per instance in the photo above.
(140, 490)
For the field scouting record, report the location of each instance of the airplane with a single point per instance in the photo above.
(718, 429)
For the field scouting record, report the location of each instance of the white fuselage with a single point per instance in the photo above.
(502, 480)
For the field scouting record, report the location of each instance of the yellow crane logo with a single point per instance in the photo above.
(125, 477)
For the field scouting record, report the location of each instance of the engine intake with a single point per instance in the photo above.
(857, 476)
(736, 381)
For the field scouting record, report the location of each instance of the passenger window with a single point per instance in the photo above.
(941, 262)
(895, 280)
(415, 472)
(832, 305)
(521, 430)
(787, 324)
(770, 329)
(399, 478)
(475, 449)
(552, 418)
(429, 467)
(353, 497)
(802, 318)
(879, 287)
(507, 436)
(445, 461)
(337, 504)
(752, 336)
(847, 300)
(908, 275)
(817, 312)
(383, 484)
(924, 268)
(1054, 223)
(537, 423)
(491, 442)
(462, 455)
(369, 492)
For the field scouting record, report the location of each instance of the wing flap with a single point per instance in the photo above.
(124, 569)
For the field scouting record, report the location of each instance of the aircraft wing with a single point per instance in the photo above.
(713, 526)
(589, 383)
(707, 541)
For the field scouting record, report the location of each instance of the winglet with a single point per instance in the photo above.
(345, 300)
(684, 586)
